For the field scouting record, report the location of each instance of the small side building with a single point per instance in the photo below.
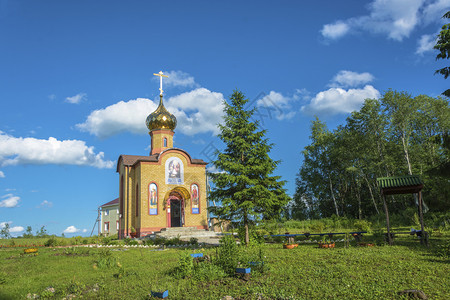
(109, 218)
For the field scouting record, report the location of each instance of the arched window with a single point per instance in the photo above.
(165, 142)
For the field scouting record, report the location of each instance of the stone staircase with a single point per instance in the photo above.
(186, 233)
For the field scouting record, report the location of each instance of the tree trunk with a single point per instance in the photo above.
(405, 150)
(334, 198)
(371, 194)
(247, 237)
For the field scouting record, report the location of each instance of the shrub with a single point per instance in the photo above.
(228, 254)
(173, 241)
(362, 225)
(193, 241)
(185, 266)
(206, 271)
(51, 242)
(105, 259)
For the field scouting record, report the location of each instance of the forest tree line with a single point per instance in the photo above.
(392, 136)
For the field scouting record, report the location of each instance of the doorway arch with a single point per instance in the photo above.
(175, 202)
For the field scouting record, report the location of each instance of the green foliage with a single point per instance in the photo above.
(28, 232)
(443, 249)
(42, 232)
(205, 271)
(341, 273)
(51, 242)
(362, 225)
(3, 277)
(105, 259)
(185, 266)
(255, 236)
(246, 187)
(396, 135)
(173, 241)
(228, 254)
(193, 241)
(4, 232)
(443, 45)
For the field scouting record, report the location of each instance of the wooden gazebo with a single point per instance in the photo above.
(408, 184)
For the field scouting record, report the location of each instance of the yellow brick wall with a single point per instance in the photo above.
(145, 173)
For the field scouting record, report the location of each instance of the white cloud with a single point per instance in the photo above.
(277, 104)
(14, 229)
(45, 204)
(177, 78)
(335, 31)
(2, 175)
(14, 151)
(2, 224)
(350, 79)
(394, 18)
(434, 11)
(119, 117)
(337, 100)
(84, 230)
(196, 111)
(71, 229)
(77, 98)
(9, 201)
(426, 43)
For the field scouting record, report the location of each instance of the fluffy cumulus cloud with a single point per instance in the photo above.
(15, 151)
(71, 229)
(119, 117)
(77, 98)
(9, 201)
(275, 105)
(394, 18)
(337, 99)
(335, 31)
(350, 79)
(197, 111)
(2, 175)
(12, 229)
(178, 79)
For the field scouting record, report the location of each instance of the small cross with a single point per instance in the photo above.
(161, 75)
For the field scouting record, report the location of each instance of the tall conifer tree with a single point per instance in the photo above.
(244, 184)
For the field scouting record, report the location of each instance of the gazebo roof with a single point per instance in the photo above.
(407, 184)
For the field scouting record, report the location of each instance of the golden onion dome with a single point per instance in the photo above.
(161, 118)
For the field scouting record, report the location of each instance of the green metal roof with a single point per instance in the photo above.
(399, 181)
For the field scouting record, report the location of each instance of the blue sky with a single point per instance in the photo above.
(76, 84)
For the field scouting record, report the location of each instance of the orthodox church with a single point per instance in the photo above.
(167, 188)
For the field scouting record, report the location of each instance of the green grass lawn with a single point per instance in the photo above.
(305, 272)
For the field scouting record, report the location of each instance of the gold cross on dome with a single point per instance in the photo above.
(161, 75)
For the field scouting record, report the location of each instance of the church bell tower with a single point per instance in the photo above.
(161, 124)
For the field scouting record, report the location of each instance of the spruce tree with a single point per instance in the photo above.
(244, 183)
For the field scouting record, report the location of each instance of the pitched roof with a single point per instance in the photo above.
(400, 184)
(131, 160)
(115, 201)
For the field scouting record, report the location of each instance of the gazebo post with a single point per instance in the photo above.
(424, 237)
(387, 220)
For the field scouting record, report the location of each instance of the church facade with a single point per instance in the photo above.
(164, 189)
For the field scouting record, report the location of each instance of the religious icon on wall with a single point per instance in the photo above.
(174, 171)
(195, 199)
(153, 199)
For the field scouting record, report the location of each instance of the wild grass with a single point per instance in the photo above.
(306, 272)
